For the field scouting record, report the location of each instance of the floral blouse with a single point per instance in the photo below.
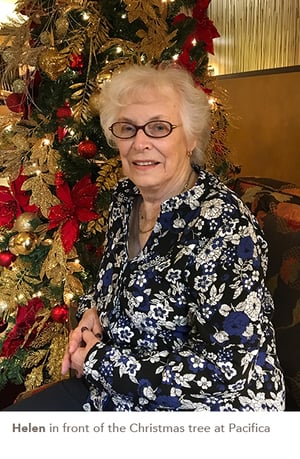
(187, 320)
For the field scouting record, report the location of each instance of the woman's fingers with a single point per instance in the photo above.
(66, 362)
(85, 335)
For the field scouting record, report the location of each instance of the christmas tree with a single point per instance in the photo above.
(58, 170)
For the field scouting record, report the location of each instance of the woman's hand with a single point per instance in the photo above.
(81, 340)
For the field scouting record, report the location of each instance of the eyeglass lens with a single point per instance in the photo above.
(125, 130)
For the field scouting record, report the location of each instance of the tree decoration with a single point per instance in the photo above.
(16, 102)
(87, 149)
(60, 313)
(76, 62)
(94, 103)
(64, 112)
(76, 206)
(6, 258)
(25, 319)
(26, 222)
(60, 171)
(19, 86)
(53, 63)
(22, 243)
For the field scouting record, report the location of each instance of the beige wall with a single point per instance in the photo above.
(266, 113)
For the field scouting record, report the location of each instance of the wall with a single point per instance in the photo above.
(255, 35)
(265, 107)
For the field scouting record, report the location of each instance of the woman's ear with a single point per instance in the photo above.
(192, 145)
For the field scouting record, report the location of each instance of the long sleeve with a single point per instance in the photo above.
(189, 319)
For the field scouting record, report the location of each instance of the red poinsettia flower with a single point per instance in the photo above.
(185, 60)
(179, 18)
(8, 207)
(204, 30)
(201, 7)
(14, 201)
(24, 321)
(22, 197)
(76, 207)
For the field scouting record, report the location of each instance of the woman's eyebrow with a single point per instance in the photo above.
(152, 118)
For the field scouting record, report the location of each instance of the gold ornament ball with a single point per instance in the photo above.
(101, 78)
(24, 222)
(22, 243)
(52, 63)
(94, 103)
(19, 86)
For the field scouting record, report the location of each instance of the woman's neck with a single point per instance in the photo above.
(154, 197)
(150, 205)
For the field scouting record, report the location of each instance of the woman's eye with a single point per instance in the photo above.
(158, 127)
(127, 128)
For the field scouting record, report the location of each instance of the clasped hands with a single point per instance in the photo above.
(87, 333)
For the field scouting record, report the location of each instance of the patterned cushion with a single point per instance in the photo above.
(276, 205)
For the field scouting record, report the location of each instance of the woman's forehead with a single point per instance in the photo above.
(161, 96)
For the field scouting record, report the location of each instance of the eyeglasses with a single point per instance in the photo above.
(155, 129)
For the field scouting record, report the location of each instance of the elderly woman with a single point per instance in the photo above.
(179, 319)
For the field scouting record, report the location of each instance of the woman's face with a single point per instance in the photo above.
(156, 165)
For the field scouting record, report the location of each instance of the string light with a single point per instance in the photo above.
(212, 102)
(8, 128)
(85, 16)
(37, 171)
(69, 297)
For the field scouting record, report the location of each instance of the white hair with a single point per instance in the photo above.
(132, 83)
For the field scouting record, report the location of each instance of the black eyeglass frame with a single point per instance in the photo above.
(143, 127)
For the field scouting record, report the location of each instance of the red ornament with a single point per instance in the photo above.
(6, 258)
(60, 313)
(65, 111)
(61, 133)
(87, 149)
(16, 102)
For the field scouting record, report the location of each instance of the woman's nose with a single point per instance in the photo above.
(141, 140)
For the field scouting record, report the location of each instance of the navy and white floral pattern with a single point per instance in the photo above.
(188, 319)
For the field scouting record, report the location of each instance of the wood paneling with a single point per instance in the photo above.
(265, 135)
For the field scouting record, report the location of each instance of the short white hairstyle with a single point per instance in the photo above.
(130, 85)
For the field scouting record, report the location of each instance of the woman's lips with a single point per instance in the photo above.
(145, 163)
